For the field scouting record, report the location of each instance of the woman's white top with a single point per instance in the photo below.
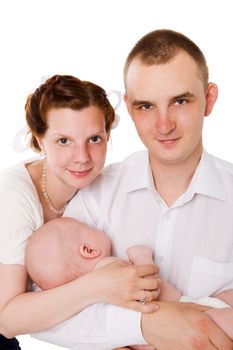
(20, 213)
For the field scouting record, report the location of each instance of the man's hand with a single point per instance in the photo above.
(183, 326)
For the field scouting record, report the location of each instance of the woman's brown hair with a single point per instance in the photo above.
(64, 91)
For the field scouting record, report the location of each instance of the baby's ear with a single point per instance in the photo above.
(89, 252)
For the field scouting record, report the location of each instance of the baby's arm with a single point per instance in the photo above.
(140, 255)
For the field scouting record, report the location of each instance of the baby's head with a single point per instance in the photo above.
(62, 250)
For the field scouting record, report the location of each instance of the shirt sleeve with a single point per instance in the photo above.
(206, 301)
(98, 327)
(83, 207)
(19, 217)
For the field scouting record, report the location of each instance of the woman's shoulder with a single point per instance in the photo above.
(15, 183)
(15, 173)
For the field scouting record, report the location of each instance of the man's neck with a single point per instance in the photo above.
(172, 180)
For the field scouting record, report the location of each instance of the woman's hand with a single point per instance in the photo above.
(123, 284)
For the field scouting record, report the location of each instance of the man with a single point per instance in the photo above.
(174, 197)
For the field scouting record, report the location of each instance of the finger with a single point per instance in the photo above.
(218, 338)
(146, 296)
(213, 347)
(149, 283)
(144, 308)
(152, 295)
(147, 270)
(140, 296)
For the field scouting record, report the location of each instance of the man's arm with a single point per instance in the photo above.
(183, 326)
(221, 315)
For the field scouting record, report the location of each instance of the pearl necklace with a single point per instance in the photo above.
(45, 192)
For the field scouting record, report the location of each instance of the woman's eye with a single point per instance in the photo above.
(63, 141)
(95, 139)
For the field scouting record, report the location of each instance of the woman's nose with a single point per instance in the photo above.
(81, 154)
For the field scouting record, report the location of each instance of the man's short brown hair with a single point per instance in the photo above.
(160, 46)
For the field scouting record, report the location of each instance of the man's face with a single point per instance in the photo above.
(168, 103)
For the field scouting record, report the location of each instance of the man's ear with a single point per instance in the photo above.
(211, 97)
(126, 99)
(88, 252)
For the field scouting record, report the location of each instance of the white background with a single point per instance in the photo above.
(91, 39)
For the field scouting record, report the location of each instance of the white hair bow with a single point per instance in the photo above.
(119, 96)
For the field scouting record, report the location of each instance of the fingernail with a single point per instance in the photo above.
(155, 307)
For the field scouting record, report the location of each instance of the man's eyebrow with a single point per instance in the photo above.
(141, 102)
(184, 95)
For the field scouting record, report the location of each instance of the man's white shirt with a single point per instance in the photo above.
(192, 241)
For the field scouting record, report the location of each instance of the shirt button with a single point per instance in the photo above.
(160, 257)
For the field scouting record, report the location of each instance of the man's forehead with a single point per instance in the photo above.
(181, 61)
(175, 78)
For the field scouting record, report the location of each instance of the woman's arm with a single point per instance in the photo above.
(28, 312)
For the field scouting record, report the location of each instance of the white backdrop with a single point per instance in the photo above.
(91, 39)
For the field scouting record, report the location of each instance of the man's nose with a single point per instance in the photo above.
(165, 123)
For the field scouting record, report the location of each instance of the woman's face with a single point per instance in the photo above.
(76, 144)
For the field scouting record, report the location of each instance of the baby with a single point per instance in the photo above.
(64, 249)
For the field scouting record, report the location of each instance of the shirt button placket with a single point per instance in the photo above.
(164, 242)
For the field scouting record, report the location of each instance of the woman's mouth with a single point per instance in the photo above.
(82, 173)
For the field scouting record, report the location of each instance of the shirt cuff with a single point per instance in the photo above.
(123, 326)
(206, 301)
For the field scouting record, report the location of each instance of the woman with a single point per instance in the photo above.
(69, 121)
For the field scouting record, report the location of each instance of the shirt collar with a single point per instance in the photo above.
(206, 180)
(140, 174)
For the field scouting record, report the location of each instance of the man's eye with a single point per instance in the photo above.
(95, 139)
(147, 106)
(181, 101)
(63, 141)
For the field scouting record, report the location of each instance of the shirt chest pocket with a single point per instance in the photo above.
(208, 277)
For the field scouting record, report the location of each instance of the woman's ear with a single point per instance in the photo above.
(211, 97)
(40, 143)
(89, 252)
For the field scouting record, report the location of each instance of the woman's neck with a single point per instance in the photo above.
(55, 194)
